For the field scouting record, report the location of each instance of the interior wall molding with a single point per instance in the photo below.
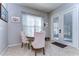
(4, 51)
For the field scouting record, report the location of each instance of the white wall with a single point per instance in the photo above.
(15, 28)
(3, 36)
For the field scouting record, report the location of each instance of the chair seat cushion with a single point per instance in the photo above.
(37, 46)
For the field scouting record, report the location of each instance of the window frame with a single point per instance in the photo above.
(34, 21)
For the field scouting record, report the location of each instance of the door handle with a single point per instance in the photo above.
(59, 30)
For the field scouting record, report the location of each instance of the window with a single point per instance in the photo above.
(31, 24)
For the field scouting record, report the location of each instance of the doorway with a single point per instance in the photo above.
(62, 27)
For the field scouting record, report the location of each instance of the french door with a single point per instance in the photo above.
(62, 27)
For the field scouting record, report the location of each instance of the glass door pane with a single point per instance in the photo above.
(56, 27)
(68, 27)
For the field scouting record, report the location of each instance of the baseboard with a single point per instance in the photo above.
(4, 51)
(14, 44)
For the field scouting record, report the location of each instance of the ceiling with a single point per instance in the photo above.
(45, 7)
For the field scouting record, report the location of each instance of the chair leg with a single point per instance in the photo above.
(31, 47)
(28, 46)
(21, 45)
(43, 51)
(35, 53)
(25, 45)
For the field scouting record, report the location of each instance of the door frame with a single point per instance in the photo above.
(61, 26)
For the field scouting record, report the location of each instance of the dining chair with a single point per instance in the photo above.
(39, 42)
(24, 39)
